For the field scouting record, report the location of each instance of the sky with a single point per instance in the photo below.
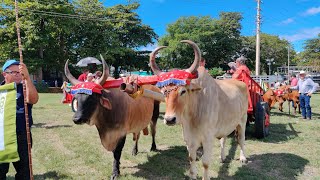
(294, 20)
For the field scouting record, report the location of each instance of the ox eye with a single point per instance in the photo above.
(183, 92)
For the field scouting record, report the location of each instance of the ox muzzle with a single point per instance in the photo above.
(170, 121)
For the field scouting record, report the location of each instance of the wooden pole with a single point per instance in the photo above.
(24, 92)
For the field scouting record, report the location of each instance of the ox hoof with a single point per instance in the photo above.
(134, 152)
(222, 160)
(153, 148)
(243, 161)
(114, 176)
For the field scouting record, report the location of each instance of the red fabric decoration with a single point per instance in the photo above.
(177, 74)
(87, 88)
(278, 92)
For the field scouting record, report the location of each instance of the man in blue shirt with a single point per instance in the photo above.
(306, 87)
(13, 71)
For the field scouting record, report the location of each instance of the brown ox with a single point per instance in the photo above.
(291, 95)
(115, 114)
(272, 97)
(207, 109)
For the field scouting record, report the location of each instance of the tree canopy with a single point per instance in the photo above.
(311, 54)
(219, 39)
(54, 31)
(271, 46)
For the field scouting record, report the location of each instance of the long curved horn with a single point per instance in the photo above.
(197, 56)
(71, 78)
(152, 61)
(105, 72)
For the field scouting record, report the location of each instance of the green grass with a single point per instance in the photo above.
(63, 150)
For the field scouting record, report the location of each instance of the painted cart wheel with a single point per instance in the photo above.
(74, 104)
(262, 113)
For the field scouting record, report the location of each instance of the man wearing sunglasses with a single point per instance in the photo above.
(13, 71)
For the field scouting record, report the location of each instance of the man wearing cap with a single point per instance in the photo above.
(306, 87)
(13, 71)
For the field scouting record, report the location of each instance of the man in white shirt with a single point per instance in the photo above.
(306, 87)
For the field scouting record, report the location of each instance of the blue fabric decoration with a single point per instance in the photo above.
(177, 82)
(82, 91)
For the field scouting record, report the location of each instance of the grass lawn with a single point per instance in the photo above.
(63, 150)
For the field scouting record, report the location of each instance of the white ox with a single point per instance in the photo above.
(207, 109)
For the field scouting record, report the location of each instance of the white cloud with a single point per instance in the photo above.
(303, 34)
(149, 47)
(312, 11)
(287, 21)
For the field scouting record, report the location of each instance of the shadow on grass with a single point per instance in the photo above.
(272, 166)
(278, 133)
(47, 175)
(48, 126)
(281, 114)
(264, 166)
(166, 164)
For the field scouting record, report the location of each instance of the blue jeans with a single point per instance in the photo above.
(305, 105)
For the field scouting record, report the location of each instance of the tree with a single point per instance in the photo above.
(271, 47)
(219, 39)
(311, 54)
(54, 31)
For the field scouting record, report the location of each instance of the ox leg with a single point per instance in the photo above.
(135, 147)
(294, 107)
(153, 124)
(280, 107)
(117, 155)
(222, 146)
(241, 129)
(192, 149)
(206, 158)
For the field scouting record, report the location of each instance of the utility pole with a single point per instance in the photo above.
(288, 62)
(258, 39)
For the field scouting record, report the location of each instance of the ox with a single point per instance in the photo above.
(115, 114)
(291, 95)
(271, 97)
(206, 108)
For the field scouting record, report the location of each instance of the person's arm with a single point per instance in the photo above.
(32, 96)
(314, 87)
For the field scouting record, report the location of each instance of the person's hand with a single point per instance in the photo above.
(309, 94)
(24, 71)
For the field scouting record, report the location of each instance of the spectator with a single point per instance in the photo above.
(233, 67)
(293, 80)
(306, 87)
(66, 88)
(83, 76)
(13, 71)
(98, 75)
(240, 67)
(90, 78)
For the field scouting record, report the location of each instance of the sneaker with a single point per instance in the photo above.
(309, 118)
(302, 118)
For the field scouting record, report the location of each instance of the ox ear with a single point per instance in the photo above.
(194, 87)
(104, 101)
